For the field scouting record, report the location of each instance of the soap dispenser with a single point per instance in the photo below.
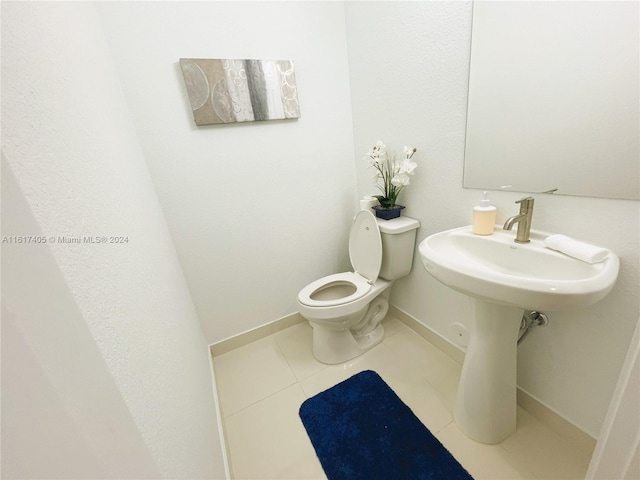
(484, 217)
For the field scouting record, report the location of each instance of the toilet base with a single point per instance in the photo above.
(339, 346)
(342, 339)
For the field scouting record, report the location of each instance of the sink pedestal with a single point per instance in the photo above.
(485, 407)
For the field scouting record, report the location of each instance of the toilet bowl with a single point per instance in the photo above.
(345, 309)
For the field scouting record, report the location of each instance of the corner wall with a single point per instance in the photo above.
(105, 370)
(256, 210)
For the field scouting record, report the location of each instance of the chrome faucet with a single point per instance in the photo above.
(523, 219)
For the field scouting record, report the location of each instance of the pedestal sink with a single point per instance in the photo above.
(505, 278)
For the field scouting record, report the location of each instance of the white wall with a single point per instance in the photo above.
(256, 210)
(105, 371)
(409, 71)
(617, 453)
(63, 415)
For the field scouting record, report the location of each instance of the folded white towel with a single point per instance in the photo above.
(574, 248)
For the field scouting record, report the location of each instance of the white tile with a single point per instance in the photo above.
(533, 441)
(416, 353)
(296, 344)
(268, 440)
(490, 462)
(263, 384)
(391, 326)
(411, 385)
(251, 373)
(373, 359)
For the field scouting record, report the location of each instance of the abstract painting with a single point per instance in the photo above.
(228, 91)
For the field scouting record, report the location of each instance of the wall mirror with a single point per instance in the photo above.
(553, 98)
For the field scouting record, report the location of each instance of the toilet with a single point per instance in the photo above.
(345, 309)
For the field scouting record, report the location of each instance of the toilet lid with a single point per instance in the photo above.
(365, 246)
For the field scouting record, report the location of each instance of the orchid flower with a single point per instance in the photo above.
(393, 174)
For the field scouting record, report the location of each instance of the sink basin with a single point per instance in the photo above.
(505, 278)
(530, 276)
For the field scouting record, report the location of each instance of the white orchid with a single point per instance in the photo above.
(394, 174)
(400, 180)
(377, 155)
(408, 167)
(375, 160)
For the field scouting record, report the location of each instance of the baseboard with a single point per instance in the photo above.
(579, 438)
(224, 444)
(528, 402)
(429, 335)
(252, 335)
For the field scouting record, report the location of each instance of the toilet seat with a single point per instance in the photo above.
(365, 252)
(350, 279)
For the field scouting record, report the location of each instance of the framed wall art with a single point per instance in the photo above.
(228, 91)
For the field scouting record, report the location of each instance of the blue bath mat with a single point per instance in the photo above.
(361, 430)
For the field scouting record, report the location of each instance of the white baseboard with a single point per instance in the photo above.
(249, 336)
(563, 427)
(429, 335)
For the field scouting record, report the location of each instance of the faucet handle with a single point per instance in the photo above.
(525, 200)
(526, 205)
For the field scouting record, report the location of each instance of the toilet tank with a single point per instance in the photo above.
(398, 243)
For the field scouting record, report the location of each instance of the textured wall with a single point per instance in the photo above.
(256, 210)
(63, 415)
(131, 334)
(409, 71)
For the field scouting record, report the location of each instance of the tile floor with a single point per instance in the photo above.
(262, 385)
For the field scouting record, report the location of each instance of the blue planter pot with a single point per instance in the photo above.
(387, 213)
